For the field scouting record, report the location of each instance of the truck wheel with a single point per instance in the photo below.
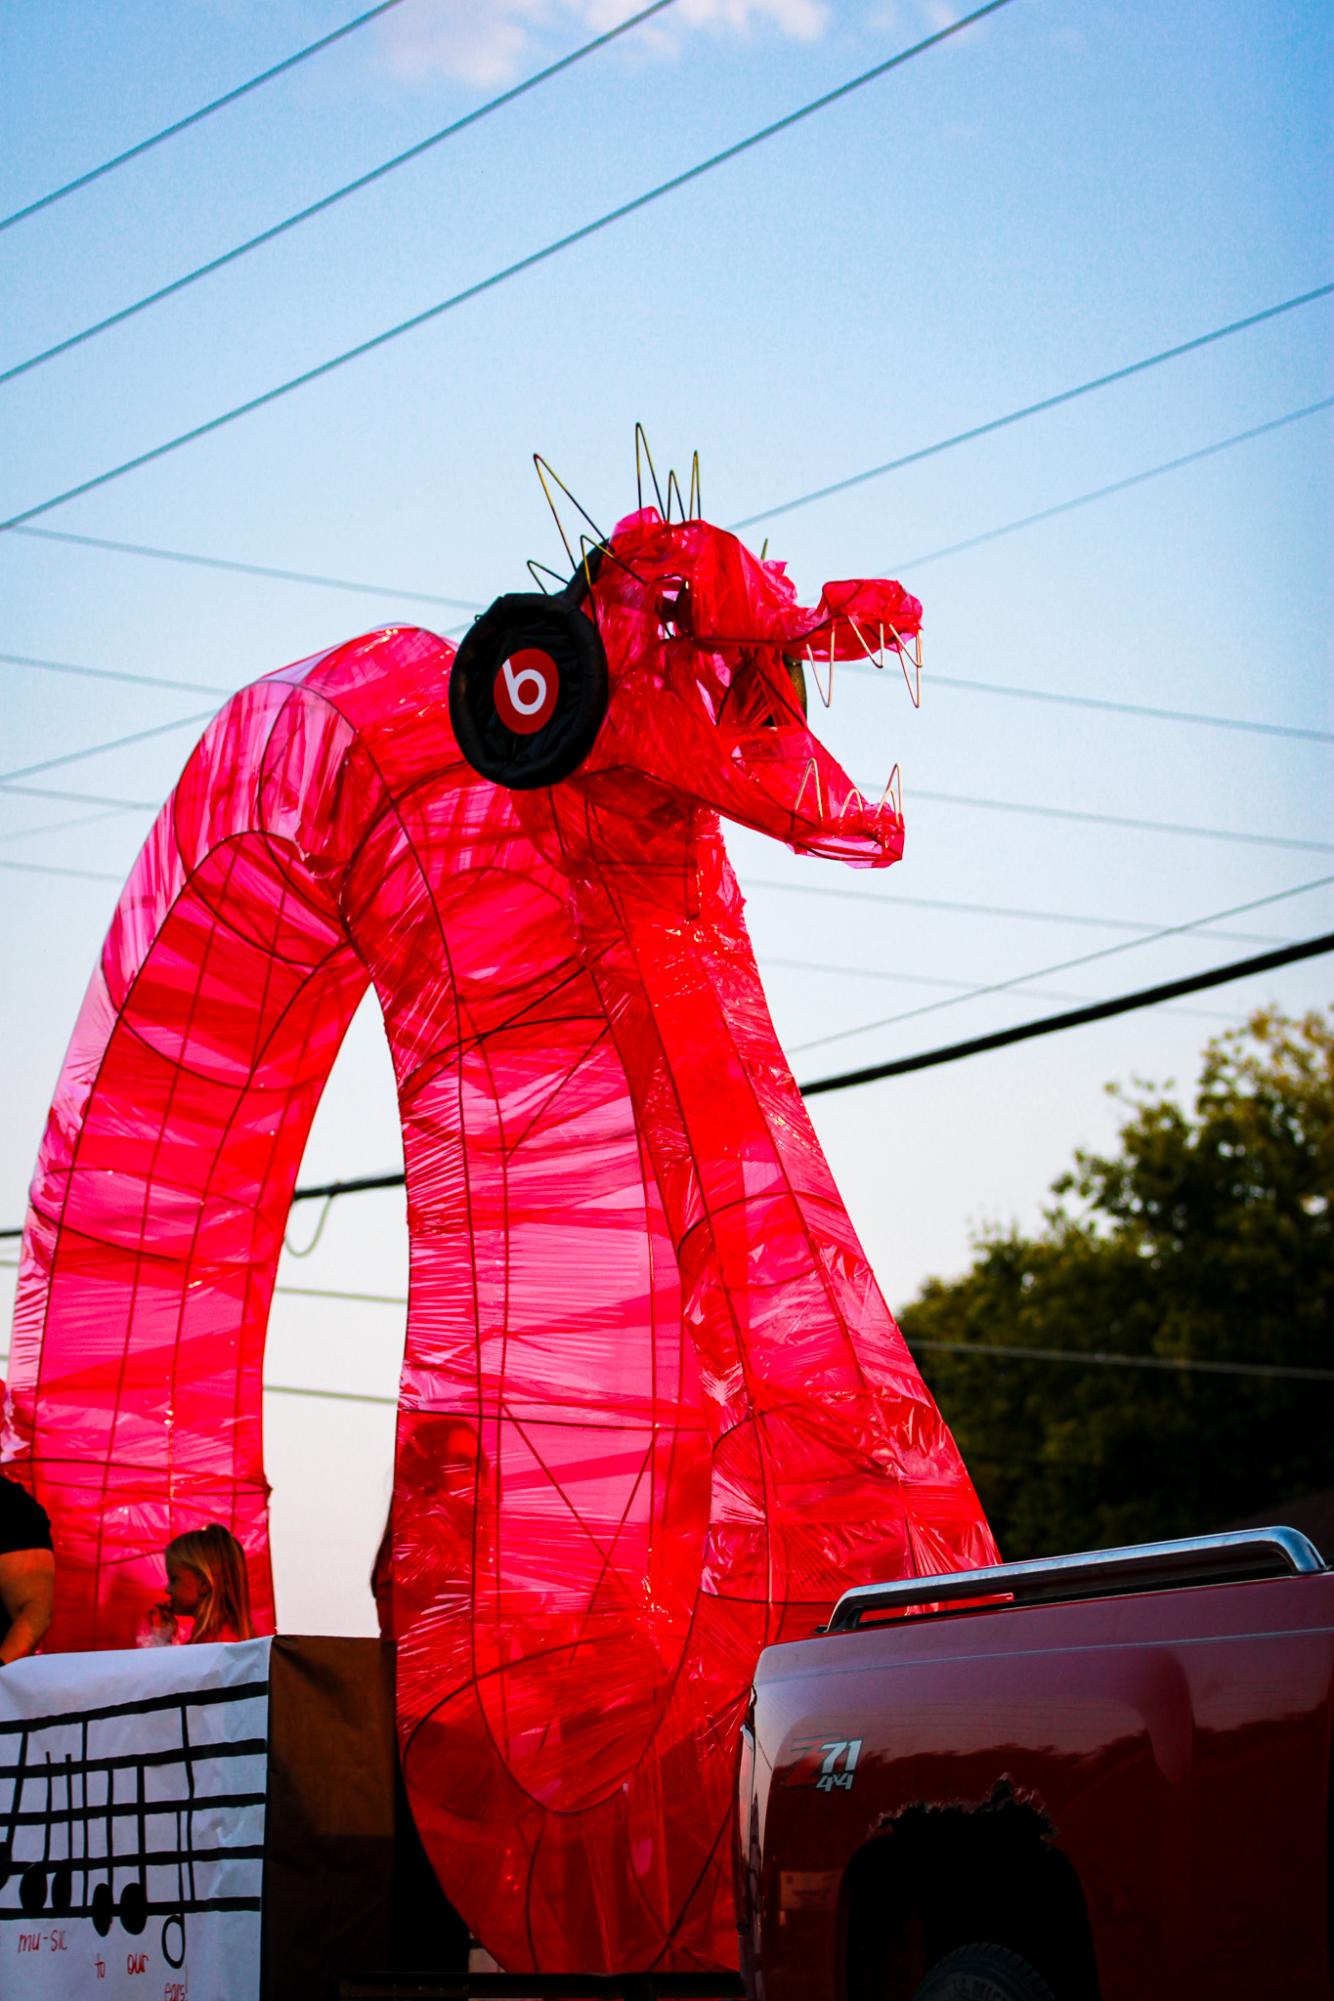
(983, 1972)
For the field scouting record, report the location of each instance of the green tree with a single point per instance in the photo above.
(1207, 1238)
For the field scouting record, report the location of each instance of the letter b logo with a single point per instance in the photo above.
(525, 690)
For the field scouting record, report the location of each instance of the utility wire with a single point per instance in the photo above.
(1035, 409)
(1122, 486)
(1024, 808)
(339, 194)
(287, 1389)
(1263, 962)
(1100, 1358)
(85, 798)
(1087, 818)
(329, 1191)
(112, 674)
(1131, 708)
(825, 970)
(1089, 958)
(50, 868)
(528, 263)
(1003, 689)
(96, 749)
(62, 826)
(889, 904)
(250, 569)
(195, 117)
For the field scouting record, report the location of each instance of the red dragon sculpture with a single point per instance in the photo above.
(654, 1411)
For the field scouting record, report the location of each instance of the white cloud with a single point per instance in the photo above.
(489, 42)
(458, 38)
(802, 20)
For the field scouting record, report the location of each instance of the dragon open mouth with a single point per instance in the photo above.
(711, 636)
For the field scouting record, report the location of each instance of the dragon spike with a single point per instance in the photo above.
(674, 487)
(847, 804)
(544, 469)
(642, 456)
(538, 570)
(914, 679)
(860, 636)
(696, 491)
(587, 544)
(586, 547)
(826, 693)
(892, 794)
(810, 772)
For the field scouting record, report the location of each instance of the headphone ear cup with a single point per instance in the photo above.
(528, 691)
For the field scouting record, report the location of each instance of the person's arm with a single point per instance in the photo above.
(27, 1592)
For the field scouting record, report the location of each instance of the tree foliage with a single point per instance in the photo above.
(1209, 1237)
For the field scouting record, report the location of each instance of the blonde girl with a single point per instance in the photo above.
(207, 1582)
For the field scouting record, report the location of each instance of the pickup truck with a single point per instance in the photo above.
(1102, 1777)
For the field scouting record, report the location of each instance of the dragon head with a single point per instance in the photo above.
(670, 672)
(709, 655)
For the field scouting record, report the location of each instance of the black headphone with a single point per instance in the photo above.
(529, 687)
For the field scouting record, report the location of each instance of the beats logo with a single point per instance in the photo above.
(525, 690)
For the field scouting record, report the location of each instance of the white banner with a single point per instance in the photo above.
(132, 1802)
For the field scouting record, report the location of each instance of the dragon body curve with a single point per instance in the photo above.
(654, 1410)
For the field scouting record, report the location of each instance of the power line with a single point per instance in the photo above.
(250, 569)
(112, 674)
(1088, 958)
(195, 117)
(329, 1191)
(1006, 690)
(1100, 1358)
(1134, 825)
(1030, 809)
(1053, 1024)
(1003, 910)
(1035, 409)
(826, 971)
(85, 798)
(96, 749)
(330, 200)
(339, 1292)
(50, 868)
(1121, 486)
(63, 826)
(985, 1350)
(327, 1396)
(295, 1389)
(1131, 708)
(528, 263)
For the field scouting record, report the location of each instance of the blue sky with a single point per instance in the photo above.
(1053, 194)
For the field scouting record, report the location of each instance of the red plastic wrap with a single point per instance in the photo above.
(654, 1410)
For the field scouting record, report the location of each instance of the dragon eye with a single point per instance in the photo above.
(674, 613)
(796, 674)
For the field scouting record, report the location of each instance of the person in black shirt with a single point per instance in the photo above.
(27, 1572)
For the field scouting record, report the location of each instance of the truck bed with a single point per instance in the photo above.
(1118, 1767)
